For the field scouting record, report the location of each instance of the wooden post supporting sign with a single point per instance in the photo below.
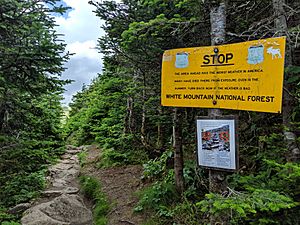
(217, 179)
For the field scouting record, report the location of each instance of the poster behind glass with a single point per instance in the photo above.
(216, 143)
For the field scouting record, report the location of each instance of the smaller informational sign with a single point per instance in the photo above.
(217, 143)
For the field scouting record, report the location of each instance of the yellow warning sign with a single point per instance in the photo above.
(242, 76)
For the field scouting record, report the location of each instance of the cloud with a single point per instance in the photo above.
(84, 49)
(81, 24)
(81, 29)
(81, 69)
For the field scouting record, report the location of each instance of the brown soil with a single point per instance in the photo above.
(120, 185)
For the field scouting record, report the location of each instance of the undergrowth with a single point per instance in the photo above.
(22, 173)
(82, 157)
(111, 157)
(269, 196)
(10, 223)
(7, 219)
(92, 190)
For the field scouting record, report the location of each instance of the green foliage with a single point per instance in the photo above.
(21, 187)
(82, 157)
(155, 168)
(29, 49)
(272, 147)
(10, 223)
(292, 74)
(196, 181)
(100, 119)
(157, 197)
(5, 217)
(245, 206)
(22, 165)
(186, 212)
(101, 221)
(273, 178)
(90, 187)
(31, 62)
(99, 114)
(92, 190)
(270, 196)
(110, 157)
(294, 70)
(141, 31)
(161, 197)
(277, 177)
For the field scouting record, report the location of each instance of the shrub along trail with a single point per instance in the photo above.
(119, 184)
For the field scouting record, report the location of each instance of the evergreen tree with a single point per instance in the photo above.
(31, 62)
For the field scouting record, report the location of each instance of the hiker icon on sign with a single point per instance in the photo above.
(182, 60)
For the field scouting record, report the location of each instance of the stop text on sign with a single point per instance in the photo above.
(217, 59)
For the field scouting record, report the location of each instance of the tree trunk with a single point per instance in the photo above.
(143, 125)
(218, 23)
(128, 121)
(217, 179)
(159, 142)
(178, 154)
(288, 101)
(4, 112)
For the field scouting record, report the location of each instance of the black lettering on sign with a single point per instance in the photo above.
(229, 56)
(218, 60)
(206, 59)
(173, 96)
(260, 98)
(205, 97)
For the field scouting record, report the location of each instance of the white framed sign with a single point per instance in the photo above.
(216, 141)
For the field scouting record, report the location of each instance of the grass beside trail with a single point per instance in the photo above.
(91, 188)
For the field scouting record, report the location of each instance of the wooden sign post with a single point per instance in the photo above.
(217, 179)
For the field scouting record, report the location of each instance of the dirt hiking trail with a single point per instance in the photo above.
(61, 203)
(119, 185)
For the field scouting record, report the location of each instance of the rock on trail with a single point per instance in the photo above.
(60, 203)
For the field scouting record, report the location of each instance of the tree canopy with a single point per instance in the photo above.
(31, 62)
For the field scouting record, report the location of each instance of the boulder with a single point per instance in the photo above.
(19, 209)
(63, 210)
(73, 151)
(56, 193)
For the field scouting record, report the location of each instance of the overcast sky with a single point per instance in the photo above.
(81, 28)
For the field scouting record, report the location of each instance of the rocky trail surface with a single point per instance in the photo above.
(61, 203)
(120, 185)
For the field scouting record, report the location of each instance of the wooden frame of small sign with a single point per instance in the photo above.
(217, 143)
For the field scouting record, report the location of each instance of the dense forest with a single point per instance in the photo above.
(121, 110)
(32, 58)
